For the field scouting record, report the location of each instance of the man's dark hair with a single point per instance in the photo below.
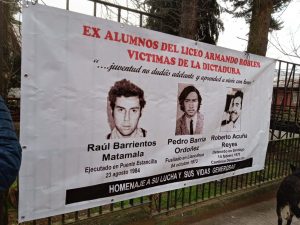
(239, 94)
(185, 92)
(127, 89)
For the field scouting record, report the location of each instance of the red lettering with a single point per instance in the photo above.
(130, 53)
(86, 30)
(191, 51)
(96, 32)
(250, 63)
(144, 56)
(169, 47)
(91, 31)
(108, 36)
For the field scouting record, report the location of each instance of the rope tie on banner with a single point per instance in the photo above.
(247, 55)
(42, 2)
(27, 2)
(196, 39)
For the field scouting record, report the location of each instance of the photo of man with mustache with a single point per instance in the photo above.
(233, 122)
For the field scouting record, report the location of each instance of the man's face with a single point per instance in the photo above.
(191, 104)
(235, 108)
(126, 114)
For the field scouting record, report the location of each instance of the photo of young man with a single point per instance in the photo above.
(191, 122)
(232, 122)
(126, 102)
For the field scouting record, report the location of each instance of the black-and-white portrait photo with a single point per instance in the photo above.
(126, 102)
(189, 119)
(231, 120)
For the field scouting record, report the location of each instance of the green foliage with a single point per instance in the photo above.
(209, 21)
(170, 12)
(11, 50)
(243, 9)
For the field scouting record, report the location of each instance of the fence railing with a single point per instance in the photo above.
(283, 149)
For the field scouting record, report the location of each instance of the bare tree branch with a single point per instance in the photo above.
(293, 50)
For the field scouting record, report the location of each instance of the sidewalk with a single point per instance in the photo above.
(262, 213)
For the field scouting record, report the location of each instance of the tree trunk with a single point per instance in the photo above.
(188, 24)
(259, 27)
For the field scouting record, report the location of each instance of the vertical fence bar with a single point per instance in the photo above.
(168, 200)
(131, 202)
(279, 156)
(291, 93)
(297, 146)
(197, 193)
(95, 9)
(268, 161)
(251, 178)
(295, 155)
(119, 15)
(68, 5)
(176, 196)
(281, 165)
(297, 116)
(63, 219)
(215, 188)
(242, 181)
(263, 173)
(286, 82)
(182, 197)
(278, 89)
(141, 200)
(237, 182)
(247, 177)
(203, 191)
(76, 216)
(151, 204)
(231, 184)
(159, 202)
(209, 189)
(221, 186)
(226, 185)
(287, 155)
(255, 177)
(274, 160)
(190, 195)
(141, 20)
(279, 160)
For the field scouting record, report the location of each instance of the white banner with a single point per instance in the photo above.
(112, 112)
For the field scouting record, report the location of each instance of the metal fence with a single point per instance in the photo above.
(283, 149)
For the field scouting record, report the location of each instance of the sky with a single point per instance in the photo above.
(235, 34)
